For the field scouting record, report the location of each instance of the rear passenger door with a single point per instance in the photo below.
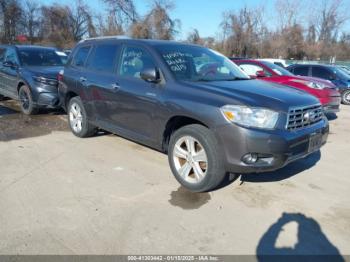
(74, 73)
(101, 82)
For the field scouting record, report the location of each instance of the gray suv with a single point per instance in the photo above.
(193, 104)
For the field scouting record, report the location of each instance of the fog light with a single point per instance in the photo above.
(250, 158)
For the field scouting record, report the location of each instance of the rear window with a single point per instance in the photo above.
(103, 58)
(301, 70)
(81, 56)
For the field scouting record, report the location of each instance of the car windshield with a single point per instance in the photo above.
(39, 57)
(277, 69)
(194, 63)
(341, 73)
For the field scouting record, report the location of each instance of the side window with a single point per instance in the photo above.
(103, 58)
(321, 72)
(81, 56)
(301, 70)
(10, 56)
(251, 69)
(2, 54)
(134, 60)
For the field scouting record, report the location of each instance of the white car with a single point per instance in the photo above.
(279, 62)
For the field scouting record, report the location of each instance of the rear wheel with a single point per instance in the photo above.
(26, 101)
(77, 118)
(194, 158)
(346, 97)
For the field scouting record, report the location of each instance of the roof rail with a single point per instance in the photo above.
(106, 37)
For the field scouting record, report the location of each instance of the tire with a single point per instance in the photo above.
(210, 173)
(26, 101)
(345, 97)
(77, 119)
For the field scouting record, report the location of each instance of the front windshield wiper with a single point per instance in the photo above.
(236, 78)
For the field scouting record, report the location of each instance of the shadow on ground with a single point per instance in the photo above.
(312, 244)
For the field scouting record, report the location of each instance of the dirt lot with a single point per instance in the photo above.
(107, 195)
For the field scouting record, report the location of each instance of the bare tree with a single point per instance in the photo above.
(194, 37)
(11, 14)
(31, 19)
(157, 23)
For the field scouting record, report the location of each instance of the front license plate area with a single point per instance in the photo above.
(315, 142)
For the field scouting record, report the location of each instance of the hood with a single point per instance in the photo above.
(257, 93)
(45, 71)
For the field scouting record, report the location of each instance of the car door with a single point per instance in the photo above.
(74, 72)
(10, 73)
(101, 83)
(2, 59)
(136, 101)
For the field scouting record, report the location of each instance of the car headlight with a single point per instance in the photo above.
(310, 84)
(250, 116)
(46, 81)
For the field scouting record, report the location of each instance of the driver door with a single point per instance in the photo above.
(10, 74)
(137, 100)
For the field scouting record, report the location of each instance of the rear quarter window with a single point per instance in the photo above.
(80, 56)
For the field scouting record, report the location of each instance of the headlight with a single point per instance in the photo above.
(46, 81)
(250, 116)
(310, 83)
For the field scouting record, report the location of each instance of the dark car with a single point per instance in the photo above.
(329, 72)
(29, 74)
(162, 94)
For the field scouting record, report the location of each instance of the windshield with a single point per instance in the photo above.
(194, 63)
(341, 73)
(39, 57)
(277, 69)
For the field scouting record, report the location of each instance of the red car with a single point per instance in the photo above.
(324, 90)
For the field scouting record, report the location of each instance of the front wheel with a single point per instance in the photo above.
(26, 101)
(346, 97)
(78, 120)
(194, 158)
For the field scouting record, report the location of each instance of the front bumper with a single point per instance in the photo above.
(278, 147)
(45, 96)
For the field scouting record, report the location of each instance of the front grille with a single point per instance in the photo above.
(302, 117)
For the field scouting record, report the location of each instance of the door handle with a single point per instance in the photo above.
(82, 79)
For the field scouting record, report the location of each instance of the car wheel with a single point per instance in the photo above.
(77, 119)
(194, 158)
(346, 97)
(26, 101)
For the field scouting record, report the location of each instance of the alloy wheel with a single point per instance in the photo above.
(76, 118)
(190, 159)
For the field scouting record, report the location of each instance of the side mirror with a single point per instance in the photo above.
(150, 75)
(260, 73)
(9, 64)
